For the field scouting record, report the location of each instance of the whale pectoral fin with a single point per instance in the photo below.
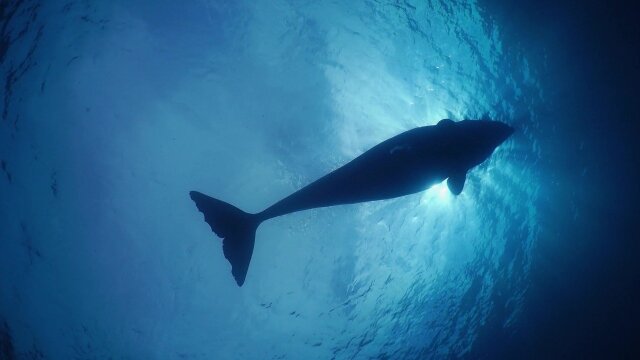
(455, 182)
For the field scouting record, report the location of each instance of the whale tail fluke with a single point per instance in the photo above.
(236, 227)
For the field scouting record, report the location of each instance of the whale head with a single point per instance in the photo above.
(468, 144)
(479, 138)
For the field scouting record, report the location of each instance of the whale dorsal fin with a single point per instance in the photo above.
(446, 122)
(455, 182)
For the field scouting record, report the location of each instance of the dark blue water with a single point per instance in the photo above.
(113, 111)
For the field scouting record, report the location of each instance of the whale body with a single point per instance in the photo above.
(404, 164)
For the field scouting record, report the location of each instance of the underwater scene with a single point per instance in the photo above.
(112, 112)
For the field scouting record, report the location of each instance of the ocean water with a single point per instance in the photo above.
(113, 111)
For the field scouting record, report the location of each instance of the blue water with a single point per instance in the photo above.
(114, 111)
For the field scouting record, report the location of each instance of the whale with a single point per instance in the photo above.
(405, 164)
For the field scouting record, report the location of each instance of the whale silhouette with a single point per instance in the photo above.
(404, 164)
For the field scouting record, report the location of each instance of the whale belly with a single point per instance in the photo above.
(381, 177)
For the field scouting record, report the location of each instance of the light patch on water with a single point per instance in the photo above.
(438, 193)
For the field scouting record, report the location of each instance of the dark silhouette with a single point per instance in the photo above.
(405, 164)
